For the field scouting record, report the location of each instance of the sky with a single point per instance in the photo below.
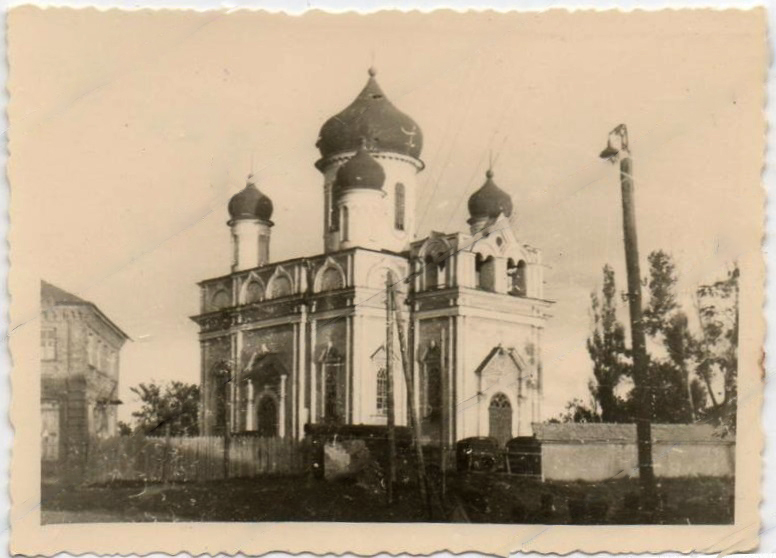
(131, 130)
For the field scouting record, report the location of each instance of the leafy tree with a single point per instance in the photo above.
(124, 429)
(682, 348)
(174, 405)
(607, 350)
(675, 395)
(717, 350)
(662, 303)
(577, 411)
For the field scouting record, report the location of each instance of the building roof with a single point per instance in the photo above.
(372, 116)
(490, 200)
(51, 295)
(250, 203)
(361, 171)
(594, 432)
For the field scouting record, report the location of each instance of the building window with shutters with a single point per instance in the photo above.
(399, 209)
(48, 343)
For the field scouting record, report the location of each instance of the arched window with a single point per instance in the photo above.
(263, 249)
(434, 273)
(431, 384)
(254, 292)
(520, 281)
(331, 372)
(430, 273)
(220, 379)
(235, 249)
(382, 391)
(500, 418)
(484, 269)
(334, 217)
(399, 203)
(516, 278)
(345, 224)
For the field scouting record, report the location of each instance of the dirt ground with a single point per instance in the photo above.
(480, 498)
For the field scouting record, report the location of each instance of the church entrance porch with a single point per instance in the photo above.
(263, 401)
(267, 417)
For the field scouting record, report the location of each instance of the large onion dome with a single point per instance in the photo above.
(250, 203)
(489, 201)
(361, 171)
(371, 115)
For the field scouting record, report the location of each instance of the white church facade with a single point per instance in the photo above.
(287, 343)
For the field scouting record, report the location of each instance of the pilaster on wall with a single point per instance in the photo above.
(295, 379)
(235, 385)
(461, 376)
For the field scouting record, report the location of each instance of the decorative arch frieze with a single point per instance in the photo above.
(253, 289)
(331, 276)
(220, 299)
(280, 284)
(376, 276)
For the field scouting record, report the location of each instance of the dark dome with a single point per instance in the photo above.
(249, 203)
(373, 117)
(489, 200)
(361, 171)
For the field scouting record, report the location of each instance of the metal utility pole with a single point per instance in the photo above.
(617, 148)
(415, 423)
(389, 387)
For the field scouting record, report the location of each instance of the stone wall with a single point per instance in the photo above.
(599, 451)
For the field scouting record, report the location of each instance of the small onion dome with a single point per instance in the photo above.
(371, 115)
(361, 171)
(250, 203)
(490, 200)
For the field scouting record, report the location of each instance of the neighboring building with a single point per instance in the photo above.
(602, 451)
(303, 341)
(79, 357)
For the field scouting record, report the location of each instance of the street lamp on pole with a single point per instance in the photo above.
(617, 149)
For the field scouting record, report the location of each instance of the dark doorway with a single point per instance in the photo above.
(268, 417)
(500, 418)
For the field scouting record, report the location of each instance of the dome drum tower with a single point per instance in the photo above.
(250, 212)
(394, 141)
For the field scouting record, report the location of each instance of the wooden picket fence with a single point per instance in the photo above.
(198, 458)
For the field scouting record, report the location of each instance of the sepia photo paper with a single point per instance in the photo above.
(386, 283)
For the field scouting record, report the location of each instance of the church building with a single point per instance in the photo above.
(291, 342)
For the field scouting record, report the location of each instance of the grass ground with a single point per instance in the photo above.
(477, 498)
(509, 499)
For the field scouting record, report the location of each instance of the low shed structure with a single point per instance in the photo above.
(600, 451)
